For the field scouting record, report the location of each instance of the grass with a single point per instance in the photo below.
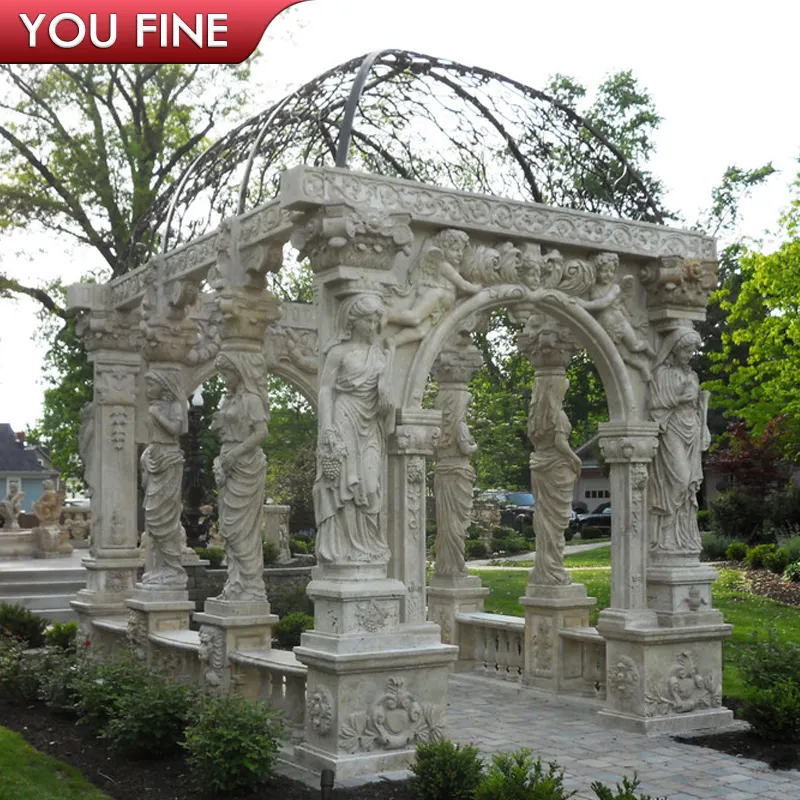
(748, 613)
(26, 773)
(601, 557)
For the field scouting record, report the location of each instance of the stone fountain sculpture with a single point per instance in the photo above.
(50, 540)
(11, 508)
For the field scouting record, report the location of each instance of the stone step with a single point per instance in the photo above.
(41, 576)
(22, 588)
(38, 602)
(56, 614)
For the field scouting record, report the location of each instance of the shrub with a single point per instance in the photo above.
(232, 744)
(768, 661)
(62, 635)
(593, 532)
(714, 546)
(792, 546)
(287, 631)
(149, 721)
(516, 544)
(784, 508)
(58, 680)
(704, 519)
(625, 791)
(23, 624)
(517, 776)
(777, 560)
(739, 516)
(792, 572)
(756, 556)
(18, 674)
(298, 546)
(774, 712)
(476, 549)
(446, 771)
(215, 555)
(271, 552)
(736, 551)
(100, 687)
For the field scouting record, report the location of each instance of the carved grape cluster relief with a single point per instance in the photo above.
(396, 720)
(320, 710)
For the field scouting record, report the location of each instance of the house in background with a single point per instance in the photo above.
(592, 487)
(28, 467)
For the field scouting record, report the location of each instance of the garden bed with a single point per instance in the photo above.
(121, 778)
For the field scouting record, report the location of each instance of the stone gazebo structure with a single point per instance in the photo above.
(403, 272)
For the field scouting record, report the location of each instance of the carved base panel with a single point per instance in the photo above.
(553, 663)
(681, 596)
(18, 544)
(51, 542)
(109, 583)
(666, 680)
(151, 612)
(448, 597)
(225, 633)
(366, 712)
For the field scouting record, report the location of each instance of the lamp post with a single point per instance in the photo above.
(193, 476)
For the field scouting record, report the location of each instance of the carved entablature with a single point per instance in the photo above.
(674, 282)
(417, 432)
(244, 266)
(340, 235)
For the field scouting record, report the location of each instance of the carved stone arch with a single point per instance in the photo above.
(623, 405)
(304, 382)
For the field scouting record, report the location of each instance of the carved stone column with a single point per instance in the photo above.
(160, 601)
(452, 590)
(239, 618)
(375, 667)
(552, 601)
(413, 440)
(108, 449)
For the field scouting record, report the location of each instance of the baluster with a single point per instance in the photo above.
(295, 698)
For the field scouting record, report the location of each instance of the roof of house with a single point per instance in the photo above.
(14, 458)
(585, 451)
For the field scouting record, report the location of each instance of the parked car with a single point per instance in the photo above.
(516, 509)
(599, 518)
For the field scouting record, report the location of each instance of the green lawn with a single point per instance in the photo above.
(589, 558)
(26, 773)
(747, 613)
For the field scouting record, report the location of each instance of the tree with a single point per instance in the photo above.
(86, 151)
(756, 367)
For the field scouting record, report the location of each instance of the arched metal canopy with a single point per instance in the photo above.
(412, 116)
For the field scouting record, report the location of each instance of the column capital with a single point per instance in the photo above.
(627, 443)
(547, 343)
(678, 288)
(416, 433)
(458, 362)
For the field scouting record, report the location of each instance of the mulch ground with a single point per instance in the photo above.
(170, 779)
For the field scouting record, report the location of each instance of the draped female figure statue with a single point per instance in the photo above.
(240, 470)
(353, 408)
(452, 485)
(162, 478)
(680, 408)
(554, 470)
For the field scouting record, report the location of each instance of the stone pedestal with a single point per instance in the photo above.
(551, 663)
(154, 609)
(665, 680)
(227, 626)
(51, 542)
(449, 596)
(276, 529)
(16, 544)
(679, 591)
(375, 687)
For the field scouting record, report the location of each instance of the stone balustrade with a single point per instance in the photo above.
(491, 644)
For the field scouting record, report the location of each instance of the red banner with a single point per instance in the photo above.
(133, 31)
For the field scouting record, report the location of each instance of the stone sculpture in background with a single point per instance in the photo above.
(11, 508)
(49, 540)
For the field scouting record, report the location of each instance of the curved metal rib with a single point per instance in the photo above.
(346, 131)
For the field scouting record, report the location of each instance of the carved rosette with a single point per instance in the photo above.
(684, 689)
(676, 282)
(319, 707)
(623, 677)
(396, 720)
(211, 655)
(340, 235)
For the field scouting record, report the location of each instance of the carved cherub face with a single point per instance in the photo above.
(453, 248)
(606, 271)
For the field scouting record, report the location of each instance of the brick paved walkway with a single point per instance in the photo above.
(498, 716)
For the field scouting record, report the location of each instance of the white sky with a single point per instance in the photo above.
(723, 76)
